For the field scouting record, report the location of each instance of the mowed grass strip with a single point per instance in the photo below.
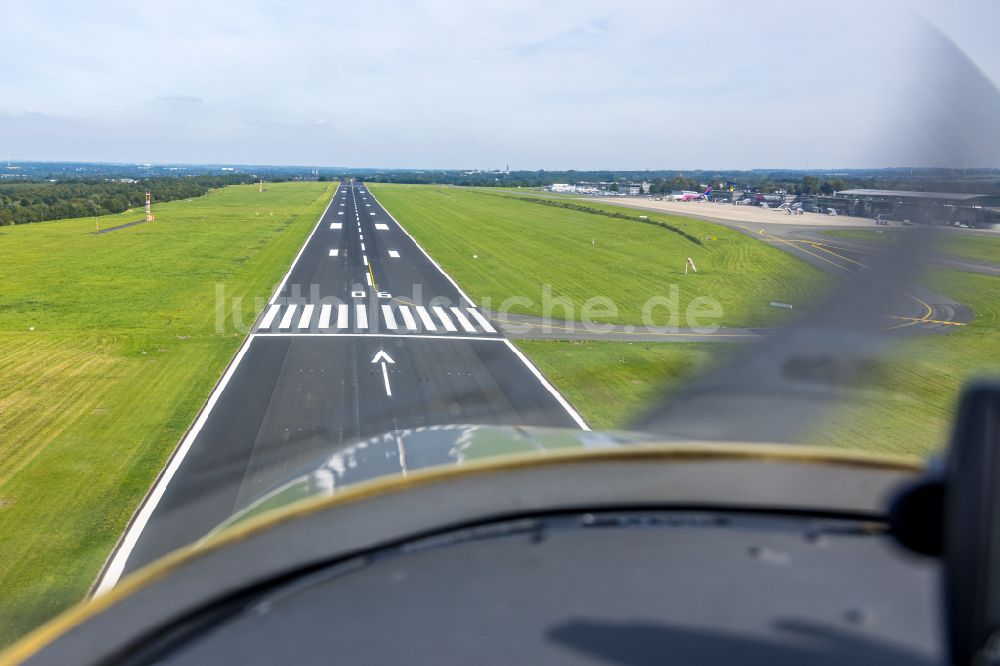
(499, 246)
(911, 407)
(123, 353)
(610, 383)
(908, 408)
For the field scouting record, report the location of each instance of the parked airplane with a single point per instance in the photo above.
(687, 195)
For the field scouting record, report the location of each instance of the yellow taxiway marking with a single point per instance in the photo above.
(910, 321)
(787, 242)
(922, 320)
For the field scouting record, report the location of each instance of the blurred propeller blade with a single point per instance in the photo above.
(776, 390)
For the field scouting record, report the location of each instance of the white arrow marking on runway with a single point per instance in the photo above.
(383, 358)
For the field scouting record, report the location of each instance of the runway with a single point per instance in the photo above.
(366, 334)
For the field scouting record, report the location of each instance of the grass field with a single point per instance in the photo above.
(611, 382)
(966, 244)
(123, 353)
(911, 410)
(908, 410)
(519, 246)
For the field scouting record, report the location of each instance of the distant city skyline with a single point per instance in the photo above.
(450, 85)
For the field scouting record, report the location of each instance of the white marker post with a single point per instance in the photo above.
(383, 358)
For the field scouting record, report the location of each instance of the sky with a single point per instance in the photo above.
(462, 85)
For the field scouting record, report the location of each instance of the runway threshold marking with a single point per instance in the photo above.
(307, 312)
(286, 321)
(425, 317)
(390, 319)
(272, 312)
(483, 321)
(408, 319)
(463, 320)
(443, 316)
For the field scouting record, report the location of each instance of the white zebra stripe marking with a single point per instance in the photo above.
(307, 313)
(390, 320)
(408, 317)
(443, 316)
(426, 318)
(272, 312)
(483, 321)
(286, 321)
(463, 320)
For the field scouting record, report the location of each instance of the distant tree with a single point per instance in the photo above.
(810, 185)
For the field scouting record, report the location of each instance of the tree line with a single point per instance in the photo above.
(25, 202)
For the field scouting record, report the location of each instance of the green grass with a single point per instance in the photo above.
(610, 383)
(908, 410)
(977, 246)
(124, 351)
(911, 409)
(499, 246)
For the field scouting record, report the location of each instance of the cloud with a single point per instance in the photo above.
(441, 83)
(179, 99)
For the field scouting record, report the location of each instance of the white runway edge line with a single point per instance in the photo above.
(535, 371)
(552, 389)
(114, 566)
(429, 258)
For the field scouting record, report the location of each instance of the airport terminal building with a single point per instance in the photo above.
(939, 208)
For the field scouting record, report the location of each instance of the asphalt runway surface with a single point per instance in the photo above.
(365, 335)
